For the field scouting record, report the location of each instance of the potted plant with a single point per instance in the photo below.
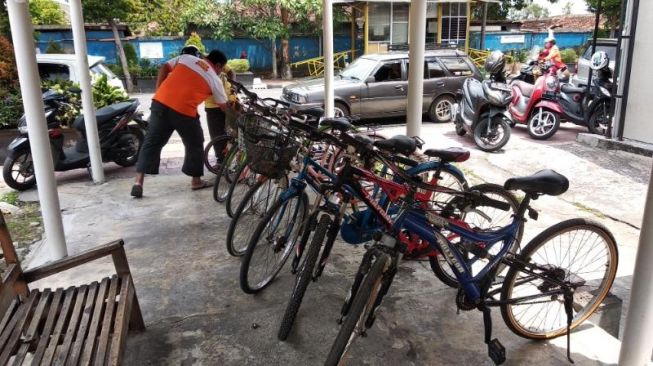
(240, 67)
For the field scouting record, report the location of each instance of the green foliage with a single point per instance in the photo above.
(11, 108)
(105, 94)
(4, 21)
(569, 56)
(8, 71)
(67, 116)
(522, 55)
(46, 12)
(161, 17)
(54, 47)
(101, 11)
(500, 10)
(610, 10)
(238, 65)
(533, 11)
(130, 54)
(196, 40)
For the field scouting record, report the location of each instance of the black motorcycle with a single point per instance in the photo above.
(120, 127)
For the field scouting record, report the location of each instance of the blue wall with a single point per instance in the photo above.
(493, 40)
(101, 43)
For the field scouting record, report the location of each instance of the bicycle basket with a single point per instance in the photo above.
(268, 145)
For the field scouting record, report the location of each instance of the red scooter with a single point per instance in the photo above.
(537, 105)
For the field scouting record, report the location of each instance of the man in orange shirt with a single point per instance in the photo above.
(174, 108)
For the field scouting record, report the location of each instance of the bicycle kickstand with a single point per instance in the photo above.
(495, 349)
(569, 309)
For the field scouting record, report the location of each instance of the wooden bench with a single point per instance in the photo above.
(80, 325)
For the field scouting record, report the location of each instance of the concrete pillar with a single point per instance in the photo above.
(483, 25)
(81, 55)
(30, 88)
(327, 39)
(637, 341)
(416, 58)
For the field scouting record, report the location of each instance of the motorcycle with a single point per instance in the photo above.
(537, 105)
(597, 100)
(120, 127)
(481, 111)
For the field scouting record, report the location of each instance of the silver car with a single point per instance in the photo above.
(376, 85)
(608, 45)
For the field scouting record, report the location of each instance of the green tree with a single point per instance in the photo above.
(161, 17)
(196, 40)
(46, 12)
(566, 9)
(499, 11)
(112, 11)
(4, 20)
(533, 11)
(611, 12)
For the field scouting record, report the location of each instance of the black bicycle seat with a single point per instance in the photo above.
(545, 181)
(457, 154)
(364, 139)
(399, 144)
(336, 123)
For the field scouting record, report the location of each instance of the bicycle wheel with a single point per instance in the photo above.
(225, 174)
(579, 252)
(212, 160)
(362, 305)
(251, 209)
(303, 277)
(245, 179)
(482, 218)
(272, 242)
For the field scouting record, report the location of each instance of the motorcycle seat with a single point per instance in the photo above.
(336, 123)
(399, 144)
(104, 114)
(570, 89)
(545, 181)
(526, 88)
(452, 154)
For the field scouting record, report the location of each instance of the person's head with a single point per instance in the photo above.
(217, 59)
(191, 50)
(549, 42)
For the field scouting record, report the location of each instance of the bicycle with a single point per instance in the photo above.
(532, 280)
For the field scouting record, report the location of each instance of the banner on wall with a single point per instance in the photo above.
(517, 38)
(151, 50)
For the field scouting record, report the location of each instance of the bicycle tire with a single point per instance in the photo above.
(223, 180)
(359, 311)
(249, 213)
(245, 277)
(211, 165)
(439, 265)
(303, 277)
(530, 252)
(238, 188)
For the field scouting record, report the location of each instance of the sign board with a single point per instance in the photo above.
(518, 38)
(151, 50)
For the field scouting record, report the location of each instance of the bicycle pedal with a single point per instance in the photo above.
(496, 351)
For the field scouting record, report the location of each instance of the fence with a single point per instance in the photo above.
(508, 41)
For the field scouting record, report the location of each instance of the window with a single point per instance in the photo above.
(389, 71)
(379, 18)
(431, 22)
(433, 70)
(54, 72)
(454, 23)
(610, 50)
(457, 66)
(400, 23)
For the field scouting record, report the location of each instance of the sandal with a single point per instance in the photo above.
(205, 184)
(137, 191)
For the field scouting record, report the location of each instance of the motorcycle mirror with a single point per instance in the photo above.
(75, 90)
(370, 79)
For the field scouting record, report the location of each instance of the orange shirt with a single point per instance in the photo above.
(191, 81)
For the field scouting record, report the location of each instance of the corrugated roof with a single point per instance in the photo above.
(563, 23)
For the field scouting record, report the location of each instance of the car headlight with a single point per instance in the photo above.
(298, 98)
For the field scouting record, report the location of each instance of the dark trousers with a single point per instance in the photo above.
(163, 122)
(215, 119)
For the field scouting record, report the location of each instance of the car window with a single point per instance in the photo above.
(457, 66)
(54, 72)
(100, 69)
(610, 50)
(433, 70)
(389, 71)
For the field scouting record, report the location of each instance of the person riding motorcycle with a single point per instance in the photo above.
(552, 53)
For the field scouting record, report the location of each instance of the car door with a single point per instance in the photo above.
(434, 80)
(386, 94)
(458, 69)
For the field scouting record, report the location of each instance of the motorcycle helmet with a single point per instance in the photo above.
(600, 60)
(191, 50)
(495, 63)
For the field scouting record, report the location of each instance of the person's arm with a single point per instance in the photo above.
(164, 70)
(217, 90)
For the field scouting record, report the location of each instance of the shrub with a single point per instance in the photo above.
(569, 56)
(54, 47)
(196, 41)
(238, 65)
(130, 54)
(105, 94)
(11, 108)
(8, 71)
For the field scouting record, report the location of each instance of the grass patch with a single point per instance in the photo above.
(26, 225)
(593, 211)
(10, 198)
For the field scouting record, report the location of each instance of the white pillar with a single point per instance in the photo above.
(416, 45)
(30, 88)
(81, 54)
(327, 41)
(637, 342)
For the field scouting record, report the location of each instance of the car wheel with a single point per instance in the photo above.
(440, 110)
(340, 110)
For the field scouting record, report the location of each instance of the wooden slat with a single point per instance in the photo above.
(8, 314)
(9, 346)
(81, 299)
(96, 321)
(70, 294)
(30, 335)
(121, 323)
(49, 325)
(93, 306)
(103, 342)
(8, 292)
(71, 261)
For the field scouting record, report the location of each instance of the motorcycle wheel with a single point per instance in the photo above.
(498, 136)
(135, 138)
(543, 124)
(599, 119)
(18, 171)
(460, 130)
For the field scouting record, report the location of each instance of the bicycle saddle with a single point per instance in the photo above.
(399, 144)
(336, 123)
(457, 154)
(545, 181)
(364, 139)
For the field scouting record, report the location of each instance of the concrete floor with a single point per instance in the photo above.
(196, 313)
